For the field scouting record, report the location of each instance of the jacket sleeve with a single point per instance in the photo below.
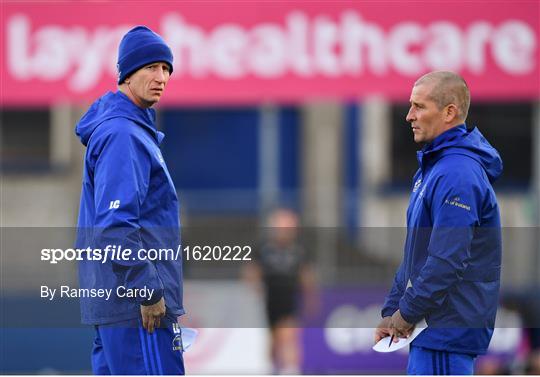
(391, 303)
(455, 207)
(121, 179)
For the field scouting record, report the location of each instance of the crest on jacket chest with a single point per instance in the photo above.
(417, 184)
(159, 156)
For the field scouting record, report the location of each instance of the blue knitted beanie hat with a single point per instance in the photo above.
(139, 47)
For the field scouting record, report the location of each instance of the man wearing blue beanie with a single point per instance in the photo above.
(139, 48)
(128, 207)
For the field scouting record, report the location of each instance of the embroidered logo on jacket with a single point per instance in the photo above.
(160, 157)
(456, 202)
(114, 204)
(417, 184)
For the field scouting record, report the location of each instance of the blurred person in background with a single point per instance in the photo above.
(281, 269)
(129, 199)
(533, 363)
(526, 303)
(450, 274)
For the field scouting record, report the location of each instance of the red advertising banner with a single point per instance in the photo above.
(249, 52)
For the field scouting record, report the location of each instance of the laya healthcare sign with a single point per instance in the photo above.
(248, 52)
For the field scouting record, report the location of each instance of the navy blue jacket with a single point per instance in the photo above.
(450, 274)
(128, 199)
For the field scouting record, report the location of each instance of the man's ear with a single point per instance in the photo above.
(451, 113)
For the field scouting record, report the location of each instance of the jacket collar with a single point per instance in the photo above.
(148, 116)
(444, 140)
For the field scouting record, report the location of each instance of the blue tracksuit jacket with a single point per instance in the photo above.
(450, 272)
(127, 199)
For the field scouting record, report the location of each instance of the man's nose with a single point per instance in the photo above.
(161, 75)
(410, 116)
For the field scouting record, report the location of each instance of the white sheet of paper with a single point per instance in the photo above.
(384, 345)
(188, 337)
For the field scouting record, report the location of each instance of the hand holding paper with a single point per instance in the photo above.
(399, 326)
(387, 345)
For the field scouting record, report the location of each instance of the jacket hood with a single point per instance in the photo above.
(465, 141)
(115, 105)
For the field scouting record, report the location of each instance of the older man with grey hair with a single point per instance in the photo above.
(450, 274)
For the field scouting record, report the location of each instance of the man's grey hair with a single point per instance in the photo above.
(448, 87)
